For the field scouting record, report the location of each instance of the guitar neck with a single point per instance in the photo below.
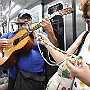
(35, 27)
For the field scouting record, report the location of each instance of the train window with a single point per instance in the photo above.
(55, 8)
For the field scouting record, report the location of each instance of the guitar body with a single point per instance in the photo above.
(13, 51)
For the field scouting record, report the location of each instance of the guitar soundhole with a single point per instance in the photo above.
(16, 41)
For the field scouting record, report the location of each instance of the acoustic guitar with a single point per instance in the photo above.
(22, 42)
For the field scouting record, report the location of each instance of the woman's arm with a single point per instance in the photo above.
(58, 56)
(77, 42)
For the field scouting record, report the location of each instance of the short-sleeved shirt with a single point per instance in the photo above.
(32, 61)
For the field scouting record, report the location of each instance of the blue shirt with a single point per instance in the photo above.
(32, 61)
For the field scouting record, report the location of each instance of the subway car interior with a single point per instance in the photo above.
(10, 8)
(67, 25)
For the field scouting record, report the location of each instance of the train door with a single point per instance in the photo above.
(58, 26)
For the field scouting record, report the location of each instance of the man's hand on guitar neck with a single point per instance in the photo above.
(46, 25)
(3, 42)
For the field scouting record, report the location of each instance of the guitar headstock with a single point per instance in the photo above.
(62, 12)
(65, 11)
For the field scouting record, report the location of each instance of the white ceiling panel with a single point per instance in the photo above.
(24, 4)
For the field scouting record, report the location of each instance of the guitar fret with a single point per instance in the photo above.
(36, 27)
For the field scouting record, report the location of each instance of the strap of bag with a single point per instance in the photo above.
(79, 48)
(82, 42)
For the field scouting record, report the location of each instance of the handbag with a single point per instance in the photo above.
(62, 79)
(59, 83)
(79, 85)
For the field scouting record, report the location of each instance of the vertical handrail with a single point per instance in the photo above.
(8, 17)
(74, 20)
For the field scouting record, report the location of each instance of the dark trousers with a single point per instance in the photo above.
(11, 83)
(27, 81)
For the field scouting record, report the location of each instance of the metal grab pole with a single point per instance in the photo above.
(74, 20)
(8, 16)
